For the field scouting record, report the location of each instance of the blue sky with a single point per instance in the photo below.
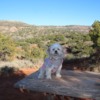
(51, 12)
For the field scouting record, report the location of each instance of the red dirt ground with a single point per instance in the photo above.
(8, 92)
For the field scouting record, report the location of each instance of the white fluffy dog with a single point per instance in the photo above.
(53, 63)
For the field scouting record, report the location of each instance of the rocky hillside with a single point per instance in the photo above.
(15, 26)
(28, 43)
(11, 26)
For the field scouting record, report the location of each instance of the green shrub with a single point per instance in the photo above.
(6, 71)
(95, 37)
(7, 48)
(95, 34)
(80, 45)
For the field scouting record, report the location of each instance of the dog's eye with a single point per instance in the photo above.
(53, 49)
(58, 49)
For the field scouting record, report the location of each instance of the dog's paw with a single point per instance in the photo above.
(40, 77)
(58, 75)
(48, 77)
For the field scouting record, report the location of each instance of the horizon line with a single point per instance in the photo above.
(43, 24)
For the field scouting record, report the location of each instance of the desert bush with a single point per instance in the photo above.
(6, 71)
(95, 34)
(35, 40)
(33, 54)
(80, 45)
(37, 52)
(7, 48)
(95, 37)
(59, 37)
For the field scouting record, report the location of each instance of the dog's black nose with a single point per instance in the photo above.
(56, 52)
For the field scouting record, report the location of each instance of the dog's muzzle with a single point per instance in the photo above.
(56, 52)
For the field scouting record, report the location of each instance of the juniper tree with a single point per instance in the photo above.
(95, 37)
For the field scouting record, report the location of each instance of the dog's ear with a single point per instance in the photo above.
(48, 51)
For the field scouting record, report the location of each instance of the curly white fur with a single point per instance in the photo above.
(53, 63)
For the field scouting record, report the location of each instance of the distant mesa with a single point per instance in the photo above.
(14, 26)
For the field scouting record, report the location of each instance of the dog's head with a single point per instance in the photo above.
(55, 50)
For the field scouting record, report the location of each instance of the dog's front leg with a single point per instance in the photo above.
(41, 73)
(58, 72)
(48, 73)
